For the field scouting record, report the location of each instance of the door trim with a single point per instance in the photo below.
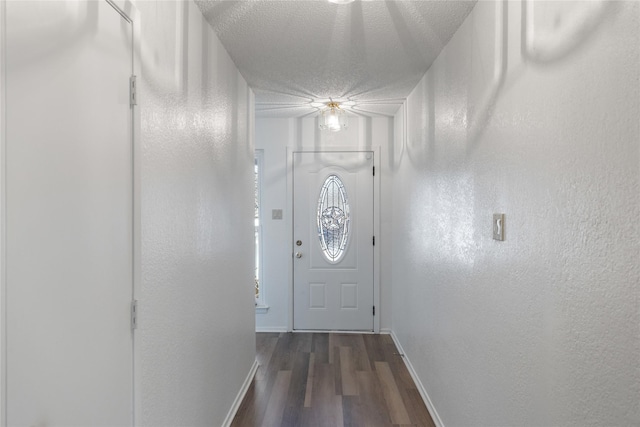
(128, 10)
(3, 216)
(376, 224)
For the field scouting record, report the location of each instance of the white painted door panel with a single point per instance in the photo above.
(69, 215)
(333, 294)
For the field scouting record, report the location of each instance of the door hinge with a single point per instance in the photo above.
(374, 171)
(133, 95)
(134, 314)
(374, 310)
(374, 240)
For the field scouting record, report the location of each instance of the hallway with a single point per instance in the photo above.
(505, 143)
(319, 379)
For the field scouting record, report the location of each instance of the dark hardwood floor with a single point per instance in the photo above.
(316, 379)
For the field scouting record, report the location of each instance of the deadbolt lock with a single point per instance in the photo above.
(299, 243)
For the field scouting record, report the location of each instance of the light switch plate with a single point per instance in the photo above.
(276, 214)
(498, 226)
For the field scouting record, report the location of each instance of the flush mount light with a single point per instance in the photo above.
(340, 1)
(333, 118)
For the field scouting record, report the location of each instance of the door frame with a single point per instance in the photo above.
(376, 224)
(128, 10)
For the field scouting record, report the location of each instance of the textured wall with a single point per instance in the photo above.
(274, 135)
(543, 328)
(195, 344)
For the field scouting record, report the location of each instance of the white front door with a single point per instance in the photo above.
(69, 215)
(333, 240)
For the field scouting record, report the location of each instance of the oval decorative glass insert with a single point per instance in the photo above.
(333, 218)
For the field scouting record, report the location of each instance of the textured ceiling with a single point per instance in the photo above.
(297, 54)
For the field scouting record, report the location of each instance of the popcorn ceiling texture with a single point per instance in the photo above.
(543, 328)
(196, 339)
(294, 52)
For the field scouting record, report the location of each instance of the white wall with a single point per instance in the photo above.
(543, 328)
(274, 135)
(3, 215)
(196, 343)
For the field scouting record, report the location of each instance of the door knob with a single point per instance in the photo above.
(298, 255)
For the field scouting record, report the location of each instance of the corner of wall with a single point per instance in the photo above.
(3, 308)
(416, 379)
(240, 396)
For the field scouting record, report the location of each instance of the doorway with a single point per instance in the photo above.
(69, 214)
(334, 241)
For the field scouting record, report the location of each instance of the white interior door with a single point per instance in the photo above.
(69, 214)
(333, 241)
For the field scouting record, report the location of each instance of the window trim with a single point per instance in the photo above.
(260, 304)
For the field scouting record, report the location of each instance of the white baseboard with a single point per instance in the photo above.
(278, 329)
(271, 329)
(243, 391)
(329, 331)
(423, 392)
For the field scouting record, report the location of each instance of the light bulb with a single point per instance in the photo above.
(333, 121)
(332, 118)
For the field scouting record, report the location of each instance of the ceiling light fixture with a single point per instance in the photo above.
(340, 1)
(333, 118)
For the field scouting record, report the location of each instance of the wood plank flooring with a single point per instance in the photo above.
(333, 380)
